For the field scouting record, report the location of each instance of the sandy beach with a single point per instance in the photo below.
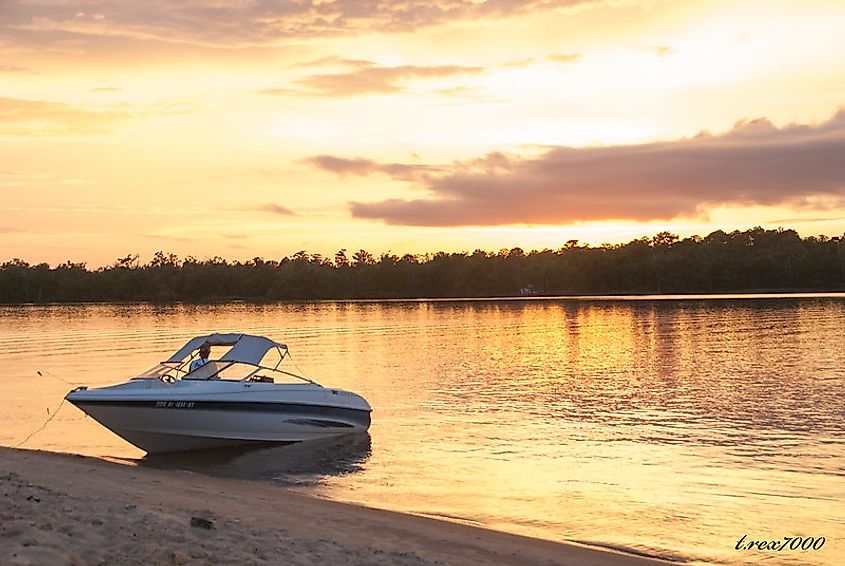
(63, 509)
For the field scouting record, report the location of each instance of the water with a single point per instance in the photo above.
(671, 427)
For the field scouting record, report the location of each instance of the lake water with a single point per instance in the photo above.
(669, 426)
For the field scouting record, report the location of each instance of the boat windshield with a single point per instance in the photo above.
(250, 358)
(238, 371)
(162, 370)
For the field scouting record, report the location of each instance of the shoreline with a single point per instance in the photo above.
(69, 509)
(712, 295)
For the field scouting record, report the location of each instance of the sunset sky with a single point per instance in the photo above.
(258, 128)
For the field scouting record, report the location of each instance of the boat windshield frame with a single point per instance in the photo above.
(177, 367)
(214, 370)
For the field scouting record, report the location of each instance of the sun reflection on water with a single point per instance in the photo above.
(670, 427)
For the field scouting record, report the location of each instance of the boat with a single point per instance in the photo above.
(241, 397)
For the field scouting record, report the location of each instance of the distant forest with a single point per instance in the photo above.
(756, 260)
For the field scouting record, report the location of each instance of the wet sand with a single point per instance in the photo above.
(64, 509)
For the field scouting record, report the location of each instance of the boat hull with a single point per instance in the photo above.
(168, 442)
(159, 417)
(170, 426)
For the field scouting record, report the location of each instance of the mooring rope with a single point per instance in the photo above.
(48, 374)
(56, 412)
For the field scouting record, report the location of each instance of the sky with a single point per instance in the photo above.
(261, 128)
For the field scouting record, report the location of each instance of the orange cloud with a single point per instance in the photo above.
(564, 58)
(276, 209)
(755, 163)
(9, 68)
(42, 118)
(365, 167)
(238, 24)
(662, 50)
(366, 77)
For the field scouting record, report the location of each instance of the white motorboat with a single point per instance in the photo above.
(237, 398)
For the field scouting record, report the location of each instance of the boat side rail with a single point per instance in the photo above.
(278, 370)
(217, 369)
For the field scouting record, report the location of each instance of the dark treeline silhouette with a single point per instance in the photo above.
(752, 261)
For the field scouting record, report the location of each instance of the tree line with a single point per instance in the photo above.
(756, 260)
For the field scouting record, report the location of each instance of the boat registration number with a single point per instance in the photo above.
(174, 404)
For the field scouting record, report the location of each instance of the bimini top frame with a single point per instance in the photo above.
(246, 349)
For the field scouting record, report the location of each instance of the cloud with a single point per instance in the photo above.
(517, 64)
(255, 22)
(8, 230)
(560, 58)
(456, 92)
(42, 118)
(105, 89)
(787, 221)
(366, 77)
(662, 50)
(364, 167)
(343, 166)
(357, 77)
(276, 209)
(755, 163)
(9, 68)
(336, 61)
(564, 58)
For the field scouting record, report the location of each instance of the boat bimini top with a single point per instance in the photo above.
(242, 362)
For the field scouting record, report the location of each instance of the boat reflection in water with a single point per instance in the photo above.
(302, 464)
